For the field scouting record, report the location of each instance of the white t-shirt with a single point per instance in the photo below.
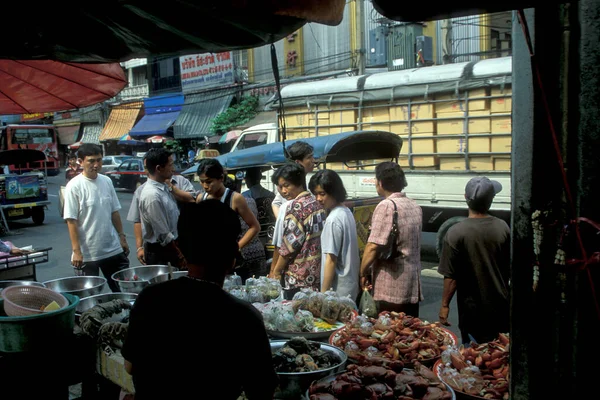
(91, 202)
(339, 238)
(278, 230)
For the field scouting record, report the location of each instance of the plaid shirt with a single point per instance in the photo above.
(398, 281)
(302, 227)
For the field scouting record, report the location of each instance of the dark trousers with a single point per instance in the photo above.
(108, 266)
(160, 255)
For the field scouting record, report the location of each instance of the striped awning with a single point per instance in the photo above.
(120, 121)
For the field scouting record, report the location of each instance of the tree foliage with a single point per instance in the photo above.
(235, 115)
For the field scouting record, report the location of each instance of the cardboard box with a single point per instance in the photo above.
(417, 111)
(419, 161)
(502, 164)
(297, 134)
(342, 116)
(401, 128)
(483, 163)
(501, 144)
(376, 112)
(453, 104)
(459, 145)
(297, 121)
(419, 146)
(501, 105)
(455, 124)
(112, 367)
(501, 124)
(381, 126)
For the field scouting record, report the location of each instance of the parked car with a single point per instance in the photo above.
(129, 175)
(110, 163)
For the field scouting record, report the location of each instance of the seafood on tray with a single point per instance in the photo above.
(300, 355)
(376, 382)
(392, 336)
(480, 370)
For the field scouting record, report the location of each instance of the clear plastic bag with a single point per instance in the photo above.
(305, 320)
(367, 305)
(251, 282)
(347, 309)
(300, 301)
(315, 303)
(240, 293)
(286, 321)
(255, 295)
(330, 310)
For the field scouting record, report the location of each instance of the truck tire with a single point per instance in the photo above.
(38, 215)
(441, 233)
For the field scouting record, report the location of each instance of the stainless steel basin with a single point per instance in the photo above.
(89, 302)
(134, 279)
(81, 286)
(165, 277)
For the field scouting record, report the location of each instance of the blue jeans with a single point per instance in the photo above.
(108, 266)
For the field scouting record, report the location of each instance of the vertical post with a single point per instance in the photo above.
(521, 192)
(446, 41)
(360, 33)
(485, 32)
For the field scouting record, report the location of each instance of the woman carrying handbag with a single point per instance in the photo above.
(391, 263)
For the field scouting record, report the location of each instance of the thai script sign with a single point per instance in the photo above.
(202, 71)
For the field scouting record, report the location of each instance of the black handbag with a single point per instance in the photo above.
(390, 251)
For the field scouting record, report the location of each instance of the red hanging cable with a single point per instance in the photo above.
(567, 188)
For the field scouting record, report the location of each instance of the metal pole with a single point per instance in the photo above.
(360, 33)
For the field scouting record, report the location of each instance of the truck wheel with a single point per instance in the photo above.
(441, 233)
(38, 215)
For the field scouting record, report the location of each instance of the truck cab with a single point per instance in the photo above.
(255, 136)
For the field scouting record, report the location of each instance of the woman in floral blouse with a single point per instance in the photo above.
(300, 249)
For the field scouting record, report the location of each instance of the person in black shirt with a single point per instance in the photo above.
(188, 338)
(475, 264)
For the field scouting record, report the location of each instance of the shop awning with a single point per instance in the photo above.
(68, 134)
(91, 133)
(198, 112)
(121, 120)
(154, 124)
(161, 113)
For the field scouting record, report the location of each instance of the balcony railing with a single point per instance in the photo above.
(133, 92)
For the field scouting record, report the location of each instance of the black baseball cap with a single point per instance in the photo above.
(480, 192)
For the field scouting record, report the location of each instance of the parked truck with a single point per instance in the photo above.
(455, 122)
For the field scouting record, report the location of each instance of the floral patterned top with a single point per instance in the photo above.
(302, 227)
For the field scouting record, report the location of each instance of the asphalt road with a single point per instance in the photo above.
(53, 233)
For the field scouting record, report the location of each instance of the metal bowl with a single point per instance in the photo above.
(81, 286)
(89, 302)
(134, 279)
(292, 385)
(5, 284)
(165, 277)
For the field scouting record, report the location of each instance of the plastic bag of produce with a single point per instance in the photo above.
(305, 320)
(273, 289)
(240, 293)
(286, 322)
(347, 309)
(250, 282)
(330, 310)
(232, 281)
(255, 295)
(367, 304)
(300, 301)
(315, 303)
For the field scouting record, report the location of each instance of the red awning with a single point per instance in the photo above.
(42, 86)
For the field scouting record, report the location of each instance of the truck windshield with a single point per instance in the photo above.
(252, 140)
(31, 136)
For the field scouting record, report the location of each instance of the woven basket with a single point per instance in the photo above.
(29, 300)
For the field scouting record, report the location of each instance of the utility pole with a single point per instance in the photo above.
(446, 41)
(360, 33)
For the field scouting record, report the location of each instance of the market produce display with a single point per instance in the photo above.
(300, 355)
(308, 311)
(481, 370)
(376, 382)
(259, 290)
(393, 336)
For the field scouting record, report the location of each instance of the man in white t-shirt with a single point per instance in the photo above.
(92, 215)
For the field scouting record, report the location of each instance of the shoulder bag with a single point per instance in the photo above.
(390, 250)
